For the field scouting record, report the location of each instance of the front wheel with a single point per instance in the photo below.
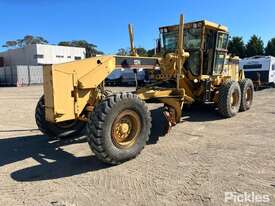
(119, 128)
(56, 130)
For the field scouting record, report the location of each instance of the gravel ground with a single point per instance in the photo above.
(195, 164)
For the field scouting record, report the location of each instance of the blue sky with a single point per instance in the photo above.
(104, 22)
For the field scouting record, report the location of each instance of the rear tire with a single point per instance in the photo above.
(247, 93)
(59, 130)
(119, 128)
(229, 99)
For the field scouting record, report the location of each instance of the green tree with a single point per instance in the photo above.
(141, 52)
(151, 52)
(236, 47)
(255, 46)
(91, 49)
(10, 44)
(27, 40)
(122, 52)
(270, 47)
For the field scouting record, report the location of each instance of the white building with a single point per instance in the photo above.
(39, 54)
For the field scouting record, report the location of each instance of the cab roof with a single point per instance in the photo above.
(198, 24)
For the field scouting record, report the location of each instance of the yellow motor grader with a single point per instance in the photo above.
(193, 68)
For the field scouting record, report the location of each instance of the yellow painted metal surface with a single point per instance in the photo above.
(59, 101)
(150, 93)
(133, 50)
(232, 69)
(97, 69)
(169, 96)
(48, 92)
(215, 26)
(201, 23)
(68, 86)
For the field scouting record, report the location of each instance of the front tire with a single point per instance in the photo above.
(247, 93)
(229, 99)
(59, 130)
(119, 128)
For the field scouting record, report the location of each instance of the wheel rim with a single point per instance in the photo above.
(248, 96)
(234, 99)
(126, 129)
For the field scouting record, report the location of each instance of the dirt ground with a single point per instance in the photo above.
(195, 164)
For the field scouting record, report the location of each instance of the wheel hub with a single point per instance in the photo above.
(126, 128)
(122, 130)
(234, 99)
(248, 95)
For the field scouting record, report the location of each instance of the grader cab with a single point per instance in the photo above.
(206, 43)
(194, 67)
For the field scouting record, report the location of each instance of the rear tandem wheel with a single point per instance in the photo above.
(229, 99)
(247, 93)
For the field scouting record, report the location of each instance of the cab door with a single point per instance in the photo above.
(220, 52)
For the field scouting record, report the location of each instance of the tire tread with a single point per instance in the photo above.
(95, 124)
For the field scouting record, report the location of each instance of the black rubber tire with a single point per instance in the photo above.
(55, 131)
(100, 125)
(246, 84)
(224, 100)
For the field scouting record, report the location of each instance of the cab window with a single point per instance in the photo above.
(170, 40)
(192, 39)
(222, 41)
(192, 44)
(221, 50)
